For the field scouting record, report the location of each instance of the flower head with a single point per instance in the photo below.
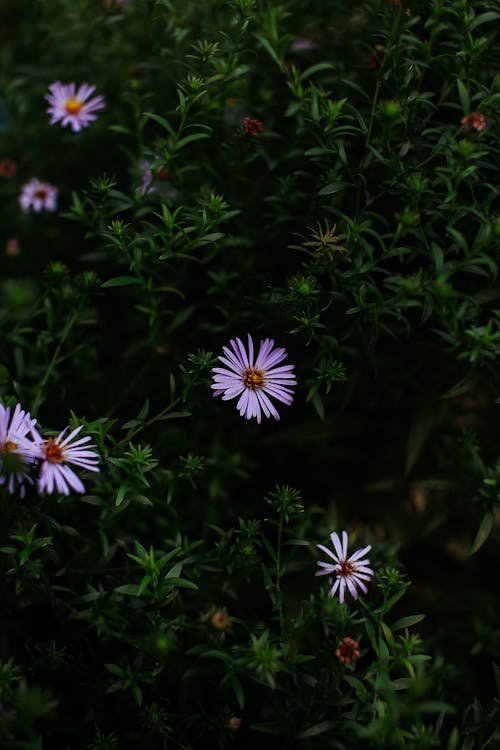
(8, 168)
(252, 127)
(351, 572)
(55, 455)
(221, 620)
(17, 452)
(40, 196)
(12, 246)
(72, 107)
(474, 121)
(347, 650)
(254, 380)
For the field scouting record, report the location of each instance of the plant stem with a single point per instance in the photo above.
(151, 421)
(67, 328)
(279, 598)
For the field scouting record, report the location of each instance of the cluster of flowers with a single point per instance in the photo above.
(73, 108)
(254, 379)
(23, 451)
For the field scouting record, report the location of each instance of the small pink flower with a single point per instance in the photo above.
(40, 196)
(15, 448)
(71, 107)
(55, 455)
(351, 572)
(474, 121)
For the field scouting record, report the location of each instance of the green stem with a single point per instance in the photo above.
(279, 598)
(67, 328)
(151, 421)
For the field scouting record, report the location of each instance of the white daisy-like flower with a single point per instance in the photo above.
(351, 572)
(73, 107)
(254, 380)
(17, 452)
(40, 196)
(56, 453)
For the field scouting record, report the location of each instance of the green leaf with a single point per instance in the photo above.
(334, 187)
(463, 386)
(161, 121)
(483, 532)
(321, 728)
(464, 97)
(131, 589)
(190, 138)
(121, 281)
(406, 622)
(120, 495)
(271, 52)
(182, 583)
(490, 15)
(318, 67)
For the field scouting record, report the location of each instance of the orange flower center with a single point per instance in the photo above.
(346, 569)
(73, 106)
(8, 447)
(254, 378)
(53, 452)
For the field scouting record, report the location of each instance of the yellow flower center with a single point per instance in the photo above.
(73, 106)
(53, 452)
(254, 378)
(8, 447)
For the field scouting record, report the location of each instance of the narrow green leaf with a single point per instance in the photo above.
(407, 622)
(490, 15)
(464, 97)
(121, 281)
(161, 121)
(316, 729)
(333, 187)
(270, 51)
(483, 532)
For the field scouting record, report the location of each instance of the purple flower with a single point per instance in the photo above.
(17, 452)
(71, 107)
(38, 195)
(254, 380)
(56, 453)
(350, 571)
(302, 44)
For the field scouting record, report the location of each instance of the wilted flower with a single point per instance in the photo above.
(252, 127)
(56, 453)
(376, 56)
(40, 196)
(72, 107)
(474, 121)
(351, 571)
(12, 246)
(347, 650)
(234, 723)
(8, 168)
(221, 620)
(16, 450)
(254, 380)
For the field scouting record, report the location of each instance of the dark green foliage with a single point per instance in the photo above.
(174, 604)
